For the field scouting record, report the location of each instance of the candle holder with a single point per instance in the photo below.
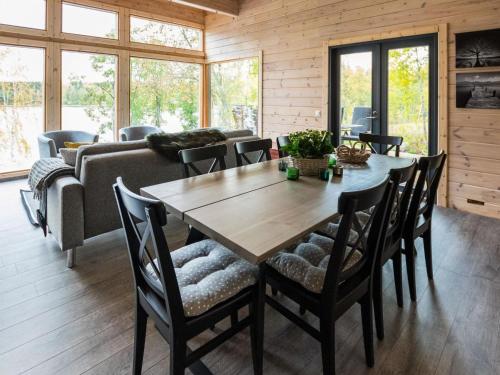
(324, 174)
(338, 170)
(332, 161)
(292, 173)
(282, 165)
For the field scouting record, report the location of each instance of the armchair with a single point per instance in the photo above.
(49, 143)
(136, 133)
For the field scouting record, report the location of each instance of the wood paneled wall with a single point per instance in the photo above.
(291, 33)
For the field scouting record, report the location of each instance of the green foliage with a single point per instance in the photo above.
(234, 89)
(309, 144)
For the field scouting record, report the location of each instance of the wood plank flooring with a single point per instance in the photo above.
(59, 321)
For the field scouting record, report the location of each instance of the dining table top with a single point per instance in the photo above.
(255, 211)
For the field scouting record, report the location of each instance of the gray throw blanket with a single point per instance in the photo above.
(169, 144)
(42, 174)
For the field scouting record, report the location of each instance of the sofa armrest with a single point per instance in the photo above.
(46, 147)
(65, 216)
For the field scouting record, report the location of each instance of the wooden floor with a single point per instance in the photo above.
(59, 321)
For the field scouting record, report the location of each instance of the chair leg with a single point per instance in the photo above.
(274, 291)
(177, 357)
(71, 257)
(141, 320)
(428, 253)
(398, 277)
(378, 304)
(410, 268)
(367, 319)
(257, 326)
(327, 329)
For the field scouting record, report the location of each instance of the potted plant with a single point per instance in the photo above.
(309, 150)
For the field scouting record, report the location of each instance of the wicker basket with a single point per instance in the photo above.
(352, 155)
(309, 167)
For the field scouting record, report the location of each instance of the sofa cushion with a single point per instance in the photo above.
(207, 274)
(307, 262)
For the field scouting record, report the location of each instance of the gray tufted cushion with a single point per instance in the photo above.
(208, 274)
(307, 262)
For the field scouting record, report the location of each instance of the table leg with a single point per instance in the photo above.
(194, 236)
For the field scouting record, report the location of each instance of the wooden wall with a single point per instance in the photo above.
(291, 32)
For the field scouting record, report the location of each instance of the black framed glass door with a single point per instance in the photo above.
(386, 87)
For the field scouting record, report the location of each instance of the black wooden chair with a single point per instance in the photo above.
(281, 141)
(178, 290)
(419, 218)
(242, 149)
(327, 276)
(388, 141)
(189, 157)
(391, 244)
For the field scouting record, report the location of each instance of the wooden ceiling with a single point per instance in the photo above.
(229, 7)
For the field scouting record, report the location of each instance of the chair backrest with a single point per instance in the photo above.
(61, 136)
(216, 153)
(361, 116)
(404, 179)
(430, 169)
(143, 219)
(262, 146)
(136, 133)
(393, 142)
(281, 141)
(368, 234)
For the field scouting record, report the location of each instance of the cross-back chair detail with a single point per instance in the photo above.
(189, 157)
(160, 298)
(343, 286)
(419, 217)
(262, 146)
(404, 179)
(282, 141)
(391, 142)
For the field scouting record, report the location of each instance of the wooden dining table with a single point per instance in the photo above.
(255, 211)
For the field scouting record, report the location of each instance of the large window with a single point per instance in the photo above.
(25, 13)
(89, 93)
(82, 20)
(164, 34)
(165, 94)
(21, 105)
(234, 94)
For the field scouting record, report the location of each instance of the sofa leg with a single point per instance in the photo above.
(71, 257)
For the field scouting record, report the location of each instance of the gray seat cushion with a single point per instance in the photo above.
(208, 274)
(307, 262)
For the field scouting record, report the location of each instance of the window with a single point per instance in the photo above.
(15, 13)
(164, 34)
(234, 92)
(89, 93)
(82, 20)
(165, 94)
(21, 105)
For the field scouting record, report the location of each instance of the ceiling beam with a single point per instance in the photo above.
(229, 7)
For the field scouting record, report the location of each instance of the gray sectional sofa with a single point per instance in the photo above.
(84, 206)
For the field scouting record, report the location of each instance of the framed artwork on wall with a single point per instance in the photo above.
(478, 90)
(478, 49)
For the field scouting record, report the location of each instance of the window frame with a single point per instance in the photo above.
(188, 60)
(55, 41)
(30, 31)
(208, 104)
(95, 51)
(65, 36)
(28, 43)
(161, 48)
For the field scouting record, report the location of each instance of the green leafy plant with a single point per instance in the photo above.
(309, 144)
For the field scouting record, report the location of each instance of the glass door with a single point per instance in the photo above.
(357, 102)
(387, 88)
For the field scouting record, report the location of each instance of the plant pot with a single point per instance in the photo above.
(309, 167)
